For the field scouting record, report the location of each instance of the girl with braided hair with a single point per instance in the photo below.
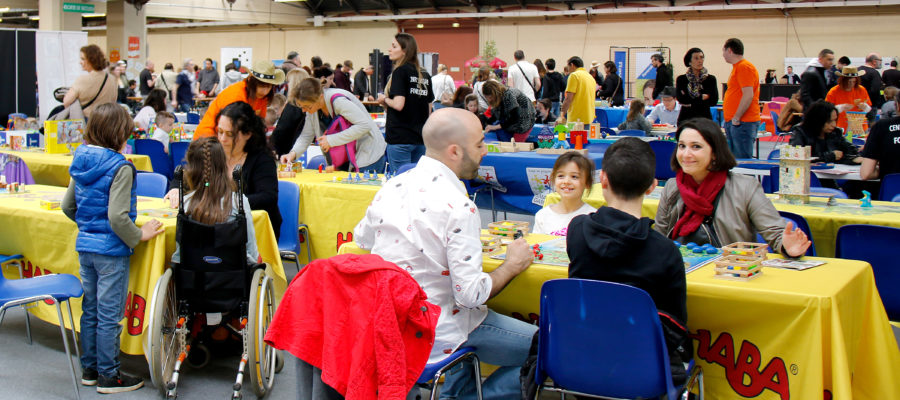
(211, 196)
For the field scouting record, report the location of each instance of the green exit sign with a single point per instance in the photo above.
(78, 8)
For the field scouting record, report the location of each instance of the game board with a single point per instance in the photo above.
(362, 179)
(159, 212)
(553, 251)
(694, 260)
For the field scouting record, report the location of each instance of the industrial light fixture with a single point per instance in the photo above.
(420, 26)
(456, 24)
(4, 9)
(94, 15)
(34, 18)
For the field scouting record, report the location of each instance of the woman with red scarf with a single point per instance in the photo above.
(705, 203)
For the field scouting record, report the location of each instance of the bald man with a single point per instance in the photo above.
(424, 221)
(872, 82)
(146, 79)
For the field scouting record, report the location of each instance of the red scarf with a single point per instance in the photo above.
(698, 200)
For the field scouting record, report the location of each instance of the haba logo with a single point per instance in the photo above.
(774, 375)
(341, 240)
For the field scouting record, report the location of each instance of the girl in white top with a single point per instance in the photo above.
(572, 174)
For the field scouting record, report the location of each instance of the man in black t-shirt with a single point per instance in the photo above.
(146, 82)
(881, 155)
(663, 75)
(891, 77)
(556, 85)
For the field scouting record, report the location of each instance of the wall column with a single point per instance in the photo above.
(53, 18)
(126, 35)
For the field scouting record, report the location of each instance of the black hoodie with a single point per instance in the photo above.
(614, 246)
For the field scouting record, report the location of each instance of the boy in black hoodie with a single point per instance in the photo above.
(616, 244)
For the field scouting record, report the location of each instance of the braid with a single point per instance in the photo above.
(206, 164)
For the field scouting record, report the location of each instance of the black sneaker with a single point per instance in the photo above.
(88, 376)
(119, 384)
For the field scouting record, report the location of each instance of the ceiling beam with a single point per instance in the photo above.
(475, 4)
(433, 4)
(313, 8)
(392, 6)
(521, 3)
(354, 6)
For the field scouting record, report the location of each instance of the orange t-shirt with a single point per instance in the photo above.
(743, 74)
(234, 93)
(839, 96)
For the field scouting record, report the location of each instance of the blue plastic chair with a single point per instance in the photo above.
(632, 132)
(663, 150)
(588, 347)
(774, 155)
(890, 187)
(151, 184)
(56, 288)
(896, 199)
(158, 157)
(433, 372)
(602, 118)
(876, 245)
(859, 142)
(782, 135)
(193, 118)
(316, 161)
(800, 222)
(405, 167)
(291, 228)
(177, 151)
(606, 131)
(770, 183)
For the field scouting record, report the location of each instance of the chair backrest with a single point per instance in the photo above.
(178, 150)
(289, 206)
(405, 167)
(896, 198)
(775, 122)
(771, 183)
(859, 142)
(774, 155)
(602, 338)
(607, 131)
(602, 118)
(151, 184)
(316, 161)
(158, 157)
(193, 118)
(632, 132)
(890, 187)
(875, 245)
(801, 223)
(663, 150)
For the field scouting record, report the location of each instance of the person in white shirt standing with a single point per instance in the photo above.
(443, 87)
(524, 76)
(424, 222)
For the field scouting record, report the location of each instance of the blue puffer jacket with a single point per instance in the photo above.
(93, 169)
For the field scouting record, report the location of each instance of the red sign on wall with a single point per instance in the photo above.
(134, 47)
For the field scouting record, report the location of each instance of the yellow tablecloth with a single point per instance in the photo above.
(331, 210)
(53, 169)
(47, 240)
(786, 334)
(823, 220)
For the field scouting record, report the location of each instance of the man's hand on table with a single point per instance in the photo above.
(519, 255)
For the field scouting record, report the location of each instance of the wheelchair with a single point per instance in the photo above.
(212, 280)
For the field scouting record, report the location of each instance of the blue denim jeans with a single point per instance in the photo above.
(105, 281)
(377, 166)
(502, 341)
(554, 109)
(399, 155)
(184, 107)
(741, 138)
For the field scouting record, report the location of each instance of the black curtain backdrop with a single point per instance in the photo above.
(19, 69)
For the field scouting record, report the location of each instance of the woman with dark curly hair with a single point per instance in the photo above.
(696, 89)
(95, 88)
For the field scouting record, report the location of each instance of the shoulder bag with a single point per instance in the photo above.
(447, 96)
(76, 109)
(344, 153)
(524, 75)
(706, 233)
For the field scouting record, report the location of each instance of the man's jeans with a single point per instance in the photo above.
(554, 108)
(502, 341)
(741, 138)
(399, 155)
(184, 107)
(105, 281)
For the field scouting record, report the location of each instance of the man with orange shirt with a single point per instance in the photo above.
(740, 104)
(849, 95)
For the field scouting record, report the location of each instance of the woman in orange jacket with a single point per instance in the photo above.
(256, 90)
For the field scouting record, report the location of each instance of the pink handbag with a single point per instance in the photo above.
(344, 153)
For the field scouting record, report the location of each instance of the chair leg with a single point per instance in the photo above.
(27, 317)
(477, 367)
(74, 333)
(62, 331)
(305, 229)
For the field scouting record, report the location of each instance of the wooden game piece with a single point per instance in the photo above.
(746, 249)
(490, 244)
(739, 267)
(507, 229)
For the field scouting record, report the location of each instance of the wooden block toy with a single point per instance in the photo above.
(507, 229)
(512, 146)
(560, 151)
(746, 249)
(574, 136)
(594, 132)
(286, 174)
(739, 267)
(493, 147)
(490, 243)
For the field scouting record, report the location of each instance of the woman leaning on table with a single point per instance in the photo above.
(696, 89)
(322, 106)
(256, 90)
(705, 203)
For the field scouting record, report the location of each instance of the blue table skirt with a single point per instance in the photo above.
(520, 180)
(616, 115)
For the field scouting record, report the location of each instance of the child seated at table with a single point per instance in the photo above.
(101, 200)
(617, 244)
(474, 107)
(572, 174)
(165, 121)
(210, 193)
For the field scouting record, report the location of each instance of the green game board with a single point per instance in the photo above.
(693, 260)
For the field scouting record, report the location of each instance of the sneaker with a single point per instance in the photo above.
(119, 384)
(88, 376)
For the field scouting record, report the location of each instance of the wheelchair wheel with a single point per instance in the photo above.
(261, 357)
(164, 346)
